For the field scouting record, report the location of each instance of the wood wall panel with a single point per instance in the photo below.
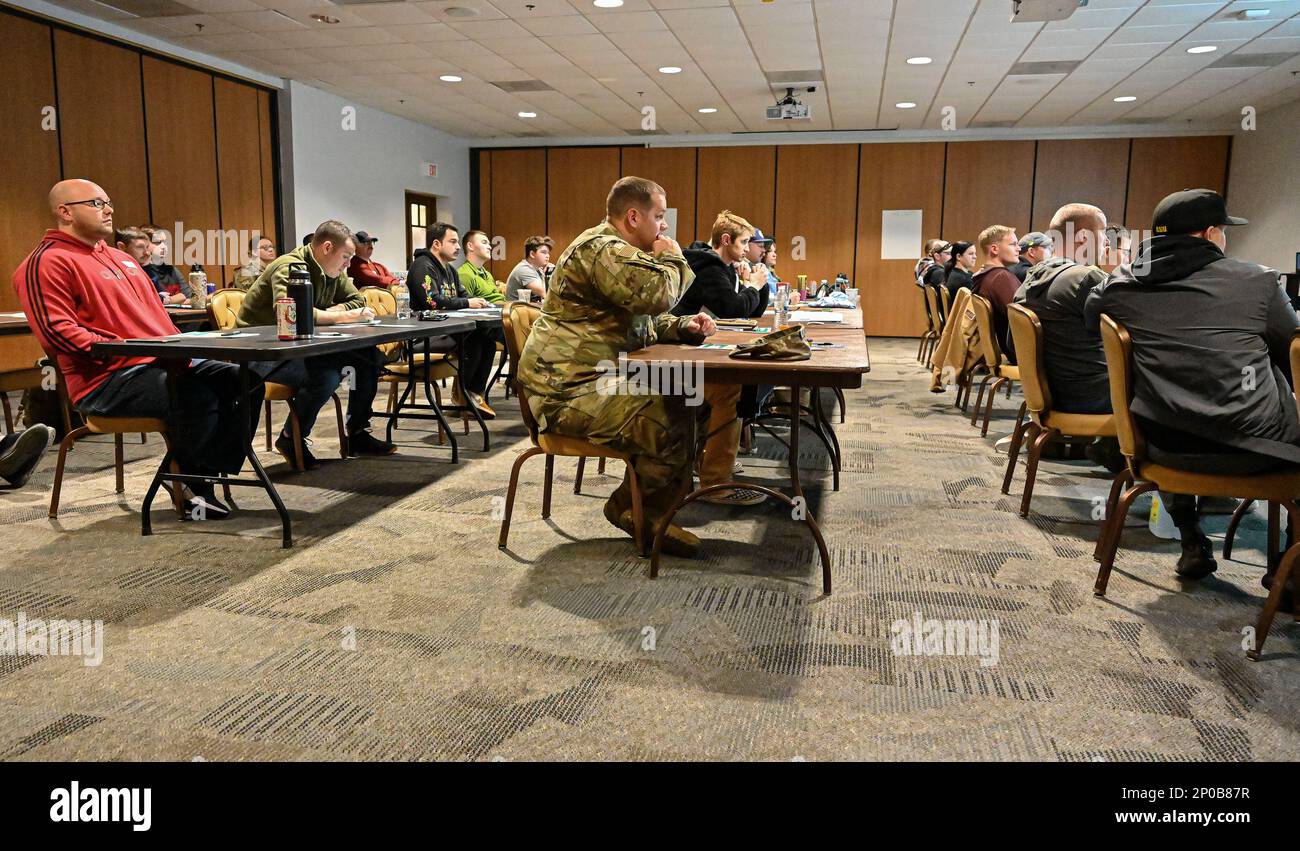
(518, 201)
(816, 203)
(101, 111)
(739, 179)
(988, 183)
(29, 166)
(894, 177)
(1085, 171)
(498, 269)
(578, 182)
(1164, 166)
(182, 152)
(674, 170)
(239, 167)
(266, 162)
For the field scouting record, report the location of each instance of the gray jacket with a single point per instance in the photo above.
(1211, 342)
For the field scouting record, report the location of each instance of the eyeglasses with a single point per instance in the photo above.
(97, 203)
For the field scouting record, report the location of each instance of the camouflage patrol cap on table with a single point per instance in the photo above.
(786, 344)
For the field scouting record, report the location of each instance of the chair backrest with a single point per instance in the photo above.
(932, 310)
(946, 298)
(1027, 332)
(1295, 366)
(989, 347)
(380, 300)
(1118, 345)
(925, 302)
(223, 308)
(517, 322)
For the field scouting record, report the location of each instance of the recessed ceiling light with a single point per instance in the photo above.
(1204, 48)
(1253, 14)
(324, 19)
(1125, 99)
(670, 69)
(527, 115)
(907, 104)
(460, 12)
(707, 110)
(450, 78)
(607, 4)
(919, 60)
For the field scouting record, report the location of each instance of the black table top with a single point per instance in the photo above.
(260, 343)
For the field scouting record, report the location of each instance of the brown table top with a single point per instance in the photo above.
(14, 325)
(842, 366)
(852, 317)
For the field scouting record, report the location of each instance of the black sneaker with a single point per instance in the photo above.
(1197, 560)
(364, 443)
(23, 452)
(202, 508)
(284, 445)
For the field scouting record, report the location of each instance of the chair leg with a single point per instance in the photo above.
(295, 431)
(1230, 536)
(988, 408)
(979, 399)
(118, 463)
(1013, 451)
(1280, 578)
(577, 482)
(392, 396)
(71, 438)
(546, 488)
(343, 434)
(1122, 478)
(1041, 436)
(268, 427)
(510, 494)
(921, 346)
(1113, 537)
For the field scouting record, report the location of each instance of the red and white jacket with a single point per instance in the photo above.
(75, 295)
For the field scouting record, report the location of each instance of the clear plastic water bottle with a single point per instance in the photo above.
(782, 298)
(403, 297)
(1159, 522)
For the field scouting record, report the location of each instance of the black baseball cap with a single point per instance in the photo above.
(361, 236)
(1192, 210)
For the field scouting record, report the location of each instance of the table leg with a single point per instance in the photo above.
(794, 440)
(827, 433)
(245, 425)
(437, 409)
(464, 391)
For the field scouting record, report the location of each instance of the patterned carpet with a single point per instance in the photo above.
(396, 630)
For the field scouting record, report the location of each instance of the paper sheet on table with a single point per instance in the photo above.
(900, 234)
(815, 316)
(17, 315)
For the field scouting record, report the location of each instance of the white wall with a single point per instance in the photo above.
(360, 176)
(1264, 186)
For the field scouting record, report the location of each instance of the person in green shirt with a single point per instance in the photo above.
(474, 276)
(314, 380)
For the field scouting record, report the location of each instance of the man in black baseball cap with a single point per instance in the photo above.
(365, 271)
(1211, 337)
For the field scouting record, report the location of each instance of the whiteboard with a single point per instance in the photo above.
(900, 234)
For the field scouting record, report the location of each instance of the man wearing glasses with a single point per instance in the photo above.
(76, 291)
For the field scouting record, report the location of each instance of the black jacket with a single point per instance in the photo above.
(1072, 354)
(431, 283)
(717, 288)
(1021, 270)
(1211, 344)
(957, 279)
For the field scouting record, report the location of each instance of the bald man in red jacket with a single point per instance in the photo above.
(77, 290)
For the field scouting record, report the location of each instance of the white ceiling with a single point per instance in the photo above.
(602, 64)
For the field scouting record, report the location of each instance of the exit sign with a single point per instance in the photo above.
(430, 170)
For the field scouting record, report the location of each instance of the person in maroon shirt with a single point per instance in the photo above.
(996, 282)
(365, 272)
(77, 291)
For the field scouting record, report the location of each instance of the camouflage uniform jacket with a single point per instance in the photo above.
(605, 297)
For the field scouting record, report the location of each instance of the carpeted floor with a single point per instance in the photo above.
(396, 630)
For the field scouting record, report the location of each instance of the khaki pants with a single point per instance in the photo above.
(723, 435)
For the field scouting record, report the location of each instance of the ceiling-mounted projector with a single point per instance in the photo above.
(1037, 11)
(790, 109)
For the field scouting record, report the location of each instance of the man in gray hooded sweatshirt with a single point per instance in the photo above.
(1211, 341)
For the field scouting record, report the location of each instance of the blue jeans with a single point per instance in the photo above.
(314, 381)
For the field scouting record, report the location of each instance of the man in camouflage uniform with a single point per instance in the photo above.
(611, 292)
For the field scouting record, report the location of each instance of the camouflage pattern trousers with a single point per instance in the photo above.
(653, 430)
